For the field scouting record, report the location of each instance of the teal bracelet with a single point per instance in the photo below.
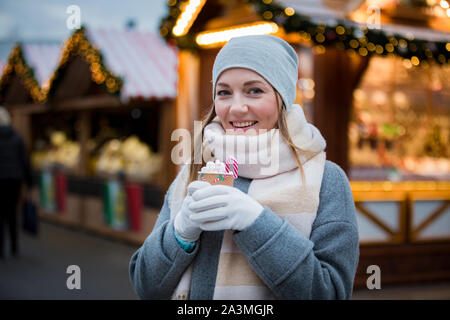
(186, 246)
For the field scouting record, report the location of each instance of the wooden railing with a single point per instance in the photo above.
(415, 245)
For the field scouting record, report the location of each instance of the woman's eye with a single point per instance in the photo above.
(223, 92)
(255, 91)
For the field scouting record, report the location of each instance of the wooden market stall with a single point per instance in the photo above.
(24, 81)
(346, 49)
(100, 138)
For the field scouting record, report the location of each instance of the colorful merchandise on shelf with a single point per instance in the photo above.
(53, 191)
(134, 205)
(123, 204)
(61, 191)
(61, 151)
(47, 192)
(115, 205)
(133, 157)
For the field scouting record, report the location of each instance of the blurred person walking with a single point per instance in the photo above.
(14, 170)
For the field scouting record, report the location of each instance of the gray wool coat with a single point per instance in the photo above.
(291, 265)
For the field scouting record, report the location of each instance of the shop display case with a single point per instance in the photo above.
(117, 189)
(399, 135)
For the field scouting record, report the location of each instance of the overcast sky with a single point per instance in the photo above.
(46, 19)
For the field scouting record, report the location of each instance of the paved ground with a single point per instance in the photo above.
(40, 271)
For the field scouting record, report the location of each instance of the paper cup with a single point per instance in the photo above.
(225, 179)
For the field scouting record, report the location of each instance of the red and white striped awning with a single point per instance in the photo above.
(147, 65)
(43, 58)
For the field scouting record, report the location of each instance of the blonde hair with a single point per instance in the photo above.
(5, 119)
(194, 168)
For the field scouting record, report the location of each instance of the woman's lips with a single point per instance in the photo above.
(243, 125)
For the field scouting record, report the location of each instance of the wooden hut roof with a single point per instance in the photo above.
(130, 63)
(27, 71)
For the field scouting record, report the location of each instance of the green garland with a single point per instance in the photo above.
(186, 42)
(344, 34)
(17, 65)
(79, 44)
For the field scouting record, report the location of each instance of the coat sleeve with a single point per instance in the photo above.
(157, 266)
(295, 267)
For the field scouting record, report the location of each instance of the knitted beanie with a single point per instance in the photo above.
(271, 57)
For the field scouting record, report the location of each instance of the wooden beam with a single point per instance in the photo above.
(336, 75)
(92, 102)
(374, 219)
(166, 127)
(187, 101)
(429, 219)
(404, 263)
(84, 133)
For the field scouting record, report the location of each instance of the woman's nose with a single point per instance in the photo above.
(238, 106)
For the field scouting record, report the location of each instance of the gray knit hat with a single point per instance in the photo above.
(270, 56)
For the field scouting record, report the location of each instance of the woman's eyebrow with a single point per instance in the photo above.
(223, 84)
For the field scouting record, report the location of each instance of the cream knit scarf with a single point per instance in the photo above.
(277, 184)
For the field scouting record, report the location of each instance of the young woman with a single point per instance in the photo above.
(287, 229)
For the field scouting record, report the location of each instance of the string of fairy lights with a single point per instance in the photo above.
(77, 45)
(340, 33)
(175, 28)
(17, 65)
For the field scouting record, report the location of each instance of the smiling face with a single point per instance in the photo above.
(245, 100)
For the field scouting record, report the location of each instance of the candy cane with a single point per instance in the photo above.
(235, 166)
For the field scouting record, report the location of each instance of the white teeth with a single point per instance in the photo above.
(243, 124)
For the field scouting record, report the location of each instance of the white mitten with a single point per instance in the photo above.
(222, 208)
(187, 230)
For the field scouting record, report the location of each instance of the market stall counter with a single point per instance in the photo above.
(111, 206)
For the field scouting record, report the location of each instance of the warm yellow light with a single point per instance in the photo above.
(320, 37)
(354, 44)
(267, 15)
(209, 38)
(289, 11)
(389, 47)
(340, 30)
(415, 61)
(379, 49)
(187, 17)
(402, 43)
(319, 49)
(447, 46)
